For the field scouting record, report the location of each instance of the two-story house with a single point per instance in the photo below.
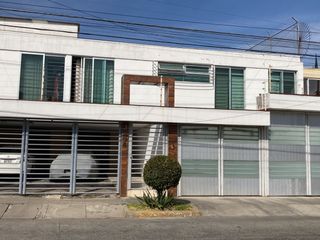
(83, 116)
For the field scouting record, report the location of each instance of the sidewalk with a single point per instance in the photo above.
(52, 207)
(258, 206)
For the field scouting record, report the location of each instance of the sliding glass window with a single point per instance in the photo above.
(41, 77)
(98, 80)
(185, 72)
(229, 92)
(282, 82)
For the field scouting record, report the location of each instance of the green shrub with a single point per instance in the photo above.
(151, 201)
(161, 173)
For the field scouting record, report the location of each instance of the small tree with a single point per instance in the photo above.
(160, 173)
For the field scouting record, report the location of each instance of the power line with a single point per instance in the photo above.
(152, 40)
(144, 17)
(158, 26)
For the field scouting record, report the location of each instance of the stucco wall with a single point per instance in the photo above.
(138, 59)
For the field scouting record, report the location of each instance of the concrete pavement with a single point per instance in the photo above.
(200, 228)
(258, 206)
(18, 207)
(55, 207)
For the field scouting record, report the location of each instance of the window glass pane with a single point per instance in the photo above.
(314, 87)
(87, 85)
(171, 66)
(237, 89)
(197, 69)
(222, 88)
(99, 83)
(196, 78)
(103, 81)
(305, 86)
(31, 77)
(190, 73)
(275, 82)
(288, 82)
(54, 78)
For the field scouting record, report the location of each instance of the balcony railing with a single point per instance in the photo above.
(293, 102)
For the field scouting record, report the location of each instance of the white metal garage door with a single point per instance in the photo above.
(219, 160)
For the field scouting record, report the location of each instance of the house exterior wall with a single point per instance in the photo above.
(193, 108)
(139, 59)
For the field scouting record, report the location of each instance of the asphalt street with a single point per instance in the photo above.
(177, 228)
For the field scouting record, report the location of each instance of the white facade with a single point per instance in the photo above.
(259, 140)
(140, 60)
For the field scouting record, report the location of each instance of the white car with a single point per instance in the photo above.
(10, 162)
(60, 166)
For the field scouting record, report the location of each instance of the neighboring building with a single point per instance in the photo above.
(85, 115)
(312, 81)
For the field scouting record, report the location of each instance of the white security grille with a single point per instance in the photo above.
(59, 157)
(48, 157)
(97, 158)
(146, 140)
(10, 156)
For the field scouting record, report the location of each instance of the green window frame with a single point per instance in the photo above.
(185, 72)
(282, 82)
(98, 80)
(229, 88)
(41, 77)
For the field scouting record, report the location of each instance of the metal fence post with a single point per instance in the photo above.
(119, 159)
(73, 166)
(23, 135)
(24, 158)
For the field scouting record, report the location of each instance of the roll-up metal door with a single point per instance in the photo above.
(97, 161)
(199, 160)
(11, 140)
(287, 160)
(314, 128)
(48, 157)
(240, 161)
(145, 140)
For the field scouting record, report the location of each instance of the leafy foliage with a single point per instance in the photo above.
(162, 173)
(156, 202)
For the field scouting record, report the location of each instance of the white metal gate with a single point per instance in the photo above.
(219, 160)
(199, 160)
(145, 141)
(11, 140)
(59, 157)
(287, 154)
(98, 143)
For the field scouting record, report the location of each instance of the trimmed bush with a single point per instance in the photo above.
(161, 173)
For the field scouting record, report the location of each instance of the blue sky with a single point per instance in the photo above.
(273, 14)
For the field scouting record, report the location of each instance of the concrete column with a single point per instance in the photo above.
(67, 78)
(124, 159)
(173, 148)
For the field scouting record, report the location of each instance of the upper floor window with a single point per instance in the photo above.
(92, 80)
(312, 87)
(229, 88)
(282, 82)
(185, 72)
(41, 77)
